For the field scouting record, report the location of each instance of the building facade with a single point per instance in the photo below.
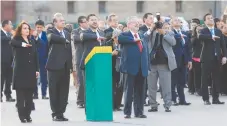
(32, 10)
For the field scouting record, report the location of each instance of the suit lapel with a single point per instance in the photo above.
(3, 33)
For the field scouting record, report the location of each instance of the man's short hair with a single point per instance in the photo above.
(80, 19)
(146, 15)
(110, 17)
(195, 20)
(39, 22)
(5, 22)
(89, 16)
(56, 15)
(204, 18)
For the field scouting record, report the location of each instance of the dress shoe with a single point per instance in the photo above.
(223, 94)
(57, 118)
(175, 104)
(141, 116)
(207, 102)
(191, 92)
(153, 109)
(35, 97)
(29, 119)
(10, 99)
(80, 105)
(60, 118)
(64, 119)
(117, 109)
(45, 97)
(198, 94)
(184, 103)
(218, 102)
(23, 120)
(127, 117)
(146, 105)
(167, 109)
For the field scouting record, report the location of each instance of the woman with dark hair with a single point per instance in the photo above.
(25, 70)
(196, 70)
(218, 23)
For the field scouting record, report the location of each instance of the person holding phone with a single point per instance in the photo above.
(25, 70)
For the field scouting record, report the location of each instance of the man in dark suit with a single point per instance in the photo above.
(182, 53)
(134, 64)
(111, 40)
(42, 53)
(148, 20)
(58, 67)
(90, 38)
(6, 60)
(211, 57)
(78, 55)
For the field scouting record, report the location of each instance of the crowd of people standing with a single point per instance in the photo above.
(148, 57)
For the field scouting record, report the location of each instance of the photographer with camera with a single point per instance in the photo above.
(161, 63)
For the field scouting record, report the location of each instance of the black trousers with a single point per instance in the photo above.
(178, 81)
(224, 79)
(191, 86)
(211, 68)
(117, 89)
(194, 77)
(24, 102)
(80, 79)
(134, 92)
(6, 79)
(58, 90)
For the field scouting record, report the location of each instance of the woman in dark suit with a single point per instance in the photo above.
(25, 70)
(197, 47)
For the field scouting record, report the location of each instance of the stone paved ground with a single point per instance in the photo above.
(195, 115)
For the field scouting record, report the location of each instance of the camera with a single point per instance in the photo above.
(158, 24)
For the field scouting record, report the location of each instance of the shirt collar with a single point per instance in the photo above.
(177, 29)
(4, 31)
(60, 31)
(82, 28)
(133, 33)
(210, 27)
(113, 28)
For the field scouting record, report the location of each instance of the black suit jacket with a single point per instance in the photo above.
(89, 39)
(78, 44)
(209, 45)
(196, 46)
(60, 53)
(25, 64)
(108, 33)
(6, 49)
(143, 29)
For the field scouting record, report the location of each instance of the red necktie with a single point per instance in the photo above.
(139, 43)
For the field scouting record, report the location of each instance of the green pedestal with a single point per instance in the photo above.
(98, 70)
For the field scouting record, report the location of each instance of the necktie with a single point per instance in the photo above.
(8, 34)
(139, 43)
(61, 33)
(182, 41)
(212, 33)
